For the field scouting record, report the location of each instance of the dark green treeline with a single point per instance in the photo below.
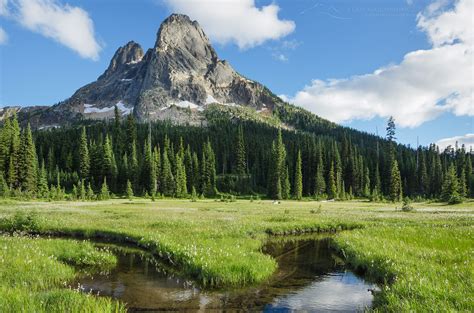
(124, 158)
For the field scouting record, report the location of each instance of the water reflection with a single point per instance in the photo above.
(310, 278)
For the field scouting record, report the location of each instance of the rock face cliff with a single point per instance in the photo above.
(176, 79)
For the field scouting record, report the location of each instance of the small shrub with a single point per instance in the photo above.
(455, 199)
(20, 222)
(407, 205)
(317, 211)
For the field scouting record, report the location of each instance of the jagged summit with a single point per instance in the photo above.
(131, 53)
(182, 71)
(178, 32)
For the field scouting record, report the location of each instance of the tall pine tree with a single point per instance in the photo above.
(240, 155)
(298, 184)
(27, 162)
(84, 159)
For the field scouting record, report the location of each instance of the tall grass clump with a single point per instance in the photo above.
(35, 274)
(421, 267)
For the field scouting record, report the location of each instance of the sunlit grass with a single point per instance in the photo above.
(219, 243)
(34, 275)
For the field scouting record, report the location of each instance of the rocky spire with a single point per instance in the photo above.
(181, 71)
(184, 41)
(131, 53)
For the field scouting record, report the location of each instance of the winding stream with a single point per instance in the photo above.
(309, 278)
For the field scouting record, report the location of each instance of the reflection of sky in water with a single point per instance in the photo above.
(310, 282)
(336, 292)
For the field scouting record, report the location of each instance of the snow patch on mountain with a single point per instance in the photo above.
(90, 108)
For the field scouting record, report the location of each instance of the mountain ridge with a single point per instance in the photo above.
(175, 80)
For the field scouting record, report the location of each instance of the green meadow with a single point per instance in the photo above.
(422, 259)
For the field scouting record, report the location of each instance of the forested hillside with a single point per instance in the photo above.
(318, 160)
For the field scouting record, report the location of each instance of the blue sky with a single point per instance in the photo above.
(362, 44)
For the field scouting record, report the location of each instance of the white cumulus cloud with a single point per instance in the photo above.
(424, 85)
(237, 21)
(3, 7)
(467, 140)
(69, 25)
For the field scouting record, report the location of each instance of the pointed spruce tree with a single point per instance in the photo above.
(43, 190)
(285, 184)
(450, 190)
(395, 188)
(167, 179)
(277, 168)
(181, 187)
(84, 160)
(28, 162)
(240, 155)
(319, 182)
(14, 151)
(331, 185)
(129, 190)
(298, 183)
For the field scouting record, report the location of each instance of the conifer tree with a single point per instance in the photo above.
(27, 162)
(208, 172)
(274, 175)
(5, 139)
(298, 184)
(462, 183)
(82, 190)
(396, 192)
(129, 190)
(391, 129)
(366, 182)
(131, 135)
(13, 162)
(90, 192)
(338, 170)
(450, 191)
(157, 165)
(167, 179)
(285, 184)
(196, 171)
(4, 190)
(43, 190)
(133, 174)
(51, 164)
(469, 177)
(277, 168)
(116, 121)
(319, 183)
(104, 191)
(423, 182)
(193, 194)
(188, 165)
(377, 183)
(74, 192)
(181, 148)
(181, 187)
(437, 174)
(149, 170)
(332, 189)
(84, 155)
(240, 155)
(109, 167)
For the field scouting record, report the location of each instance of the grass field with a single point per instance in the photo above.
(424, 257)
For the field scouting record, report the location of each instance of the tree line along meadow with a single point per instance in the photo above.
(94, 160)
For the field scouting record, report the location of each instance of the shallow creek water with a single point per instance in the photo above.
(309, 278)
